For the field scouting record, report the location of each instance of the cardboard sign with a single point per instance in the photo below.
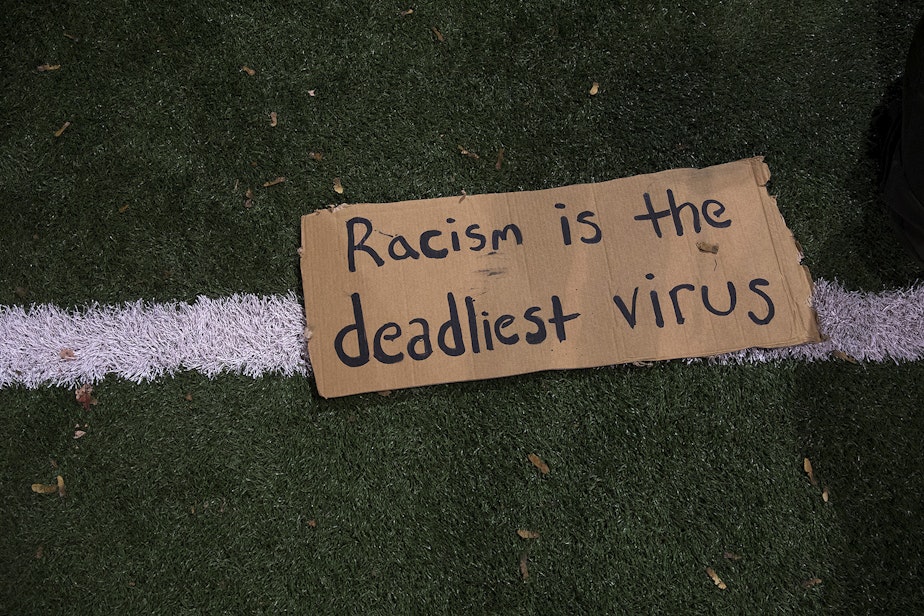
(681, 263)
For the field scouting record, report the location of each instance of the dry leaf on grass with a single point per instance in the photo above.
(47, 67)
(248, 70)
(72, 37)
(67, 354)
(278, 180)
(312, 92)
(594, 89)
(731, 556)
(524, 568)
(384, 393)
(84, 395)
(707, 247)
(39, 552)
(79, 434)
(44, 488)
(841, 355)
(61, 130)
(313, 523)
(315, 156)
(465, 152)
(338, 186)
(406, 12)
(825, 495)
(715, 578)
(500, 159)
(538, 463)
(807, 467)
(248, 197)
(273, 118)
(527, 534)
(464, 195)
(123, 209)
(437, 33)
(811, 582)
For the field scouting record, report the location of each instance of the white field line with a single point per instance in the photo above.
(251, 335)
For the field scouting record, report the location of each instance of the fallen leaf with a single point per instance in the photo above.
(811, 582)
(538, 463)
(594, 89)
(731, 556)
(39, 552)
(384, 393)
(47, 67)
(338, 187)
(84, 395)
(315, 155)
(841, 355)
(79, 434)
(61, 130)
(465, 152)
(123, 209)
(278, 180)
(313, 523)
(524, 569)
(61, 491)
(248, 70)
(715, 578)
(67, 354)
(72, 37)
(500, 159)
(248, 197)
(439, 35)
(807, 467)
(464, 195)
(312, 92)
(44, 488)
(406, 12)
(188, 397)
(824, 494)
(707, 247)
(527, 534)
(643, 364)
(272, 118)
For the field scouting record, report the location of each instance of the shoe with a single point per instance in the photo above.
(902, 186)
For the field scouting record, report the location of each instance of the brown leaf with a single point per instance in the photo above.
(439, 35)
(384, 393)
(313, 523)
(731, 556)
(524, 569)
(188, 397)
(538, 463)
(825, 495)
(84, 396)
(79, 434)
(61, 130)
(594, 89)
(273, 118)
(248, 70)
(123, 209)
(72, 37)
(315, 156)
(61, 491)
(500, 159)
(67, 354)
(527, 534)
(841, 355)
(707, 247)
(807, 467)
(47, 67)
(715, 578)
(465, 152)
(406, 12)
(338, 186)
(312, 92)
(811, 582)
(44, 488)
(278, 180)
(39, 552)
(464, 195)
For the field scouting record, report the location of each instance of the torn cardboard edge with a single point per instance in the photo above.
(440, 290)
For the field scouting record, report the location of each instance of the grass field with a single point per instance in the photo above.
(239, 495)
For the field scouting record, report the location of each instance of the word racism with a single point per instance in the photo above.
(470, 328)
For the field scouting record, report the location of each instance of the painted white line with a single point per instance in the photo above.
(251, 335)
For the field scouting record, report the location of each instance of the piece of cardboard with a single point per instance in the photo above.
(682, 263)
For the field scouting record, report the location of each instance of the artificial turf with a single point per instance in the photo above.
(258, 496)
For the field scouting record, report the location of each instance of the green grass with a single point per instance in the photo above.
(257, 496)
